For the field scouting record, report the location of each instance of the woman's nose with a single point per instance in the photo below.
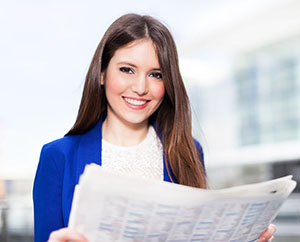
(140, 85)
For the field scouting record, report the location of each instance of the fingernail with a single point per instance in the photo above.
(273, 228)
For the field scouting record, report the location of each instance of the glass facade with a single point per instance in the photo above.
(267, 91)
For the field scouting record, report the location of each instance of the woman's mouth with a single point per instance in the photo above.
(135, 101)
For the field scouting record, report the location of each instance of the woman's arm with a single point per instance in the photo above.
(47, 194)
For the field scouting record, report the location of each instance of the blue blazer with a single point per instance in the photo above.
(60, 166)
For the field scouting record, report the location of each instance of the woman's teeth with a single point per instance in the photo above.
(134, 102)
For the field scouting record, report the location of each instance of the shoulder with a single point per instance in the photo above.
(198, 145)
(199, 150)
(56, 152)
(60, 146)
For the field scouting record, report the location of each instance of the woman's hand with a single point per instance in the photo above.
(268, 234)
(66, 234)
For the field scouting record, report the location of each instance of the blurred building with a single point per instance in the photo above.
(257, 97)
(16, 212)
(250, 115)
(268, 93)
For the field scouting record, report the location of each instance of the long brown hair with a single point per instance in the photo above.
(172, 118)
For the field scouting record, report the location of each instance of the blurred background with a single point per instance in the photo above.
(240, 61)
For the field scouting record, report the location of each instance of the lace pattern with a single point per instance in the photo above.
(143, 160)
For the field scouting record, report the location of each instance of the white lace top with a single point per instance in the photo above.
(143, 160)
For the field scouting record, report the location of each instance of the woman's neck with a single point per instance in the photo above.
(124, 134)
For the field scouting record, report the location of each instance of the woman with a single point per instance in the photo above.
(134, 108)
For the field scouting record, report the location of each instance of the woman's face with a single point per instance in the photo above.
(133, 83)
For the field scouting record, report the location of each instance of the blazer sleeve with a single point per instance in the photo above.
(47, 194)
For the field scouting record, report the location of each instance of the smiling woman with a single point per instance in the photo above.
(134, 118)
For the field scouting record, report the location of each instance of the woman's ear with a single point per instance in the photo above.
(102, 79)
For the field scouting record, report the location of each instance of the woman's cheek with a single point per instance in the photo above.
(117, 85)
(159, 91)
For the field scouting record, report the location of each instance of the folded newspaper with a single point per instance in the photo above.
(109, 207)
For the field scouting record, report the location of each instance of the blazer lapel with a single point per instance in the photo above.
(167, 177)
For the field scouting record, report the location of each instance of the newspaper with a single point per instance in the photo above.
(109, 207)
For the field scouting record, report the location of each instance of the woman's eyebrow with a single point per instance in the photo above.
(126, 63)
(133, 65)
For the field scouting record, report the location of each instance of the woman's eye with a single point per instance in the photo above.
(157, 75)
(127, 70)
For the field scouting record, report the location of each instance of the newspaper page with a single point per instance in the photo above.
(109, 207)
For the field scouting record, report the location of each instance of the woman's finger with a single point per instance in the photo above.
(66, 234)
(268, 234)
